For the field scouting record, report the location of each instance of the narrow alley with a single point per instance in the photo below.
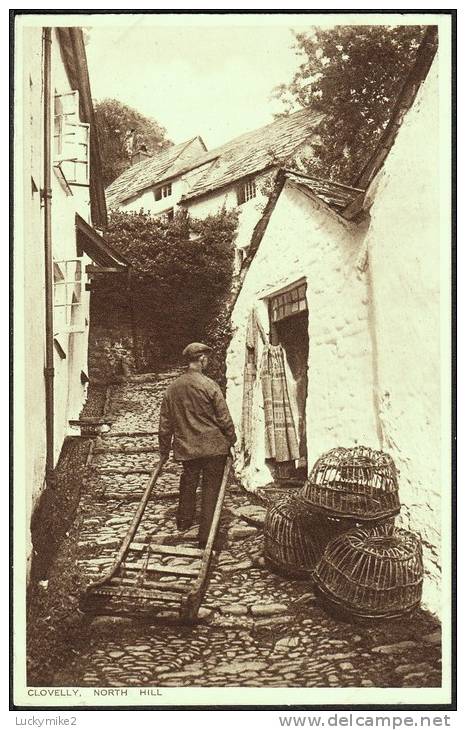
(255, 629)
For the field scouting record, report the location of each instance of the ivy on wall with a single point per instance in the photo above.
(181, 276)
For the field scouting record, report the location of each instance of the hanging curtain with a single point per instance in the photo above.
(281, 442)
(253, 332)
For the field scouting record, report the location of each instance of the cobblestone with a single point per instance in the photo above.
(257, 629)
(268, 609)
(435, 638)
(394, 648)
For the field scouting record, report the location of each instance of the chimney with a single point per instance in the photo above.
(141, 154)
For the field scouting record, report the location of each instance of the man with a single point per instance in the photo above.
(196, 418)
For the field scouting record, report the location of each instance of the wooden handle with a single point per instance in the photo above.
(132, 528)
(191, 602)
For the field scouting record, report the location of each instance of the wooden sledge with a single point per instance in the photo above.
(135, 581)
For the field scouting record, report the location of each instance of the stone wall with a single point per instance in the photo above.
(121, 338)
(110, 337)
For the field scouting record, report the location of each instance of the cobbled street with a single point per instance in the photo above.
(256, 629)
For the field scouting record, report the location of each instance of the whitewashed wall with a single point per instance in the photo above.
(146, 201)
(249, 212)
(374, 324)
(69, 392)
(304, 239)
(29, 278)
(404, 255)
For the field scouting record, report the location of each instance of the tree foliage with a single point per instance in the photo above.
(352, 74)
(181, 274)
(114, 123)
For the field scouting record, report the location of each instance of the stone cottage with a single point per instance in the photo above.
(60, 207)
(347, 281)
(238, 174)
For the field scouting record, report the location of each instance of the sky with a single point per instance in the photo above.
(210, 81)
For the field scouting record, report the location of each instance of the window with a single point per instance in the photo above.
(163, 191)
(246, 191)
(71, 138)
(65, 117)
(68, 283)
(288, 303)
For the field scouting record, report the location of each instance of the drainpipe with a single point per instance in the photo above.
(48, 256)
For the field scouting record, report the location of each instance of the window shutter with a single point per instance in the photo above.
(71, 138)
(76, 168)
(68, 287)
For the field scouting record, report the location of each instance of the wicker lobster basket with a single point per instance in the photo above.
(372, 572)
(294, 538)
(357, 483)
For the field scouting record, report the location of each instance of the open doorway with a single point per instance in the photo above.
(289, 317)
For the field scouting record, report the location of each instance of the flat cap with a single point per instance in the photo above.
(194, 349)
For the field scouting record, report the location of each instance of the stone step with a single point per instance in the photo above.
(126, 450)
(127, 463)
(128, 434)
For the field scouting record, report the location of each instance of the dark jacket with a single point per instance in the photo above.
(196, 418)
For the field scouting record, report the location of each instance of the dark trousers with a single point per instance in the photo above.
(208, 470)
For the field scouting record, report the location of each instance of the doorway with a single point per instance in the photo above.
(289, 318)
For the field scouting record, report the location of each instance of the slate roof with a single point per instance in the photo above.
(335, 194)
(245, 155)
(146, 173)
(254, 151)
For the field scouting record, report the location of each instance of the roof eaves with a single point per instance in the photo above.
(327, 192)
(289, 171)
(418, 73)
(332, 209)
(96, 247)
(117, 198)
(216, 188)
(159, 181)
(205, 191)
(283, 176)
(257, 236)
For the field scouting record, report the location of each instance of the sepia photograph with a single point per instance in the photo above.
(232, 359)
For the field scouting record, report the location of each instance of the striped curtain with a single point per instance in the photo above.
(281, 442)
(253, 332)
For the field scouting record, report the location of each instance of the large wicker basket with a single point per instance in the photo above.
(372, 572)
(358, 483)
(294, 539)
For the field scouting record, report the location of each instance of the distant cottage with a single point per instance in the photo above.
(236, 174)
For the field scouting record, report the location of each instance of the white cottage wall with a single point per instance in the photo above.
(249, 212)
(69, 392)
(404, 255)
(146, 201)
(305, 239)
(29, 274)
